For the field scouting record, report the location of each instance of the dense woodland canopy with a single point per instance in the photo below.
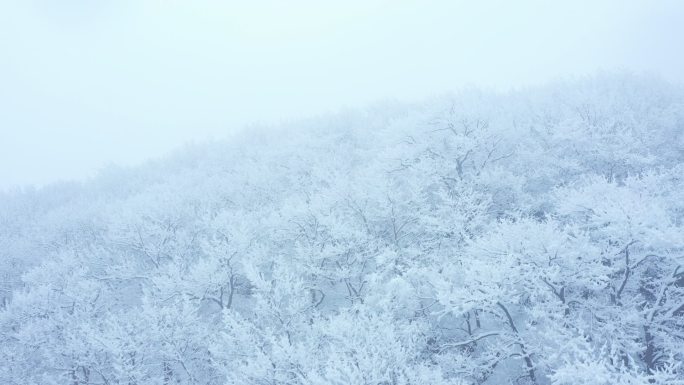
(529, 237)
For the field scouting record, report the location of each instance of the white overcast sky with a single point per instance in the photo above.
(84, 83)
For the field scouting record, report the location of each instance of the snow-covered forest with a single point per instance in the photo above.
(528, 237)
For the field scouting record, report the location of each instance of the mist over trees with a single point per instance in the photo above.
(532, 237)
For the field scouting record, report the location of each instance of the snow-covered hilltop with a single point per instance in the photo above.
(533, 237)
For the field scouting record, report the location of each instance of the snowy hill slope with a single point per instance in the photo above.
(527, 237)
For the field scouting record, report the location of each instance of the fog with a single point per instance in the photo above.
(359, 192)
(88, 83)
